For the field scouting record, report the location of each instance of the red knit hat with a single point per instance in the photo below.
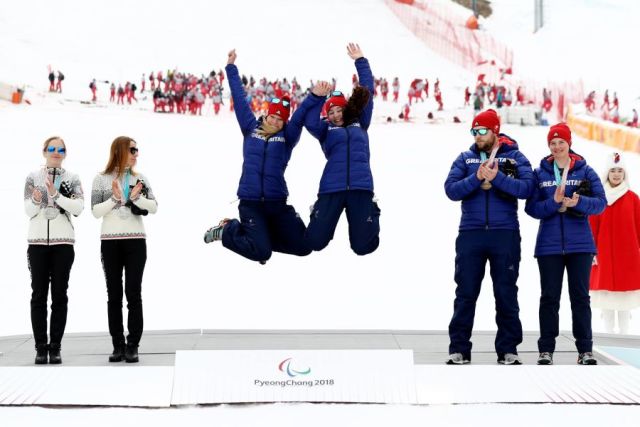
(561, 130)
(335, 100)
(488, 119)
(279, 108)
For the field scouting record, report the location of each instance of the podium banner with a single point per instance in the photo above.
(229, 376)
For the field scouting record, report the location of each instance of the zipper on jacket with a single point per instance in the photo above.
(348, 158)
(264, 160)
(48, 220)
(562, 231)
(486, 208)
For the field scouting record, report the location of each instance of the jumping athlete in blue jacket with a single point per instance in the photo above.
(347, 182)
(489, 231)
(267, 223)
(565, 240)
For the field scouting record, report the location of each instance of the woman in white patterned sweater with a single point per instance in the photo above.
(121, 197)
(51, 195)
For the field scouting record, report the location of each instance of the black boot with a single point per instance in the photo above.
(131, 354)
(54, 354)
(118, 354)
(42, 354)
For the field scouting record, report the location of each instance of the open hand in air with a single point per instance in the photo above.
(354, 51)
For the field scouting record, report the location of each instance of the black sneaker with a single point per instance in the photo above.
(54, 354)
(131, 354)
(118, 354)
(587, 358)
(42, 354)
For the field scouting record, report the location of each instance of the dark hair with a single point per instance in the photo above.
(358, 100)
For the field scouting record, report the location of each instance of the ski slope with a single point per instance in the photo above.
(194, 163)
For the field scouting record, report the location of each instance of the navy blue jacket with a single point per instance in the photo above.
(563, 233)
(487, 209)
(264, 159)
(345, 148)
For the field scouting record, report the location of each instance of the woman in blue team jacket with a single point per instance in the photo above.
(347, 182)
(565, 241)
(267, 223)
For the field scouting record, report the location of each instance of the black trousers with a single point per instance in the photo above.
(552, 267)
(129, 255)
(49, 264)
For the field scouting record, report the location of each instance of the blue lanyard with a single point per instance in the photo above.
(556, 171)
(57, 180)
(125, 184)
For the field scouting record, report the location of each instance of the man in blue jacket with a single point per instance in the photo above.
(489, 230)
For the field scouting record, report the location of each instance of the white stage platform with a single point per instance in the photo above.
(183, 368)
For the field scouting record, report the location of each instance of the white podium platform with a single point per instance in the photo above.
(142, 386)
(186, 368)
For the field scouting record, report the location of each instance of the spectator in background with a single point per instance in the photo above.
(94, 87)
(615, 274)
(634, 120)
(52, 80)
(59, 82)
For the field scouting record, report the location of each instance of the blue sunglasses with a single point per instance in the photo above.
(278, 101)
(336, 93)
(481, 131)
(61, 150)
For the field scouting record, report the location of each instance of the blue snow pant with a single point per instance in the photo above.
(552, 268)
(473, 249)
(264, 227)
(363, 215)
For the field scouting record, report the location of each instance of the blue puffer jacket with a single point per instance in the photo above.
(265, 160)
(564, 233)
(496, 208)
(345, 148)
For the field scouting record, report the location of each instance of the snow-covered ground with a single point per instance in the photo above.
(588, 40)
(193, 164)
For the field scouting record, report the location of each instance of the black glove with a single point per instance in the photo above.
(584, 189)
(134, 209)
(66, 190)
(508, 167)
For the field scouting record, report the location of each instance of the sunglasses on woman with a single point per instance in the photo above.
(481, 131)
(61, 150)
(133, 150)
(335, 93)
(278, 101)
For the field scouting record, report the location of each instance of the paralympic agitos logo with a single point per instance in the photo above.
(285, 366)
